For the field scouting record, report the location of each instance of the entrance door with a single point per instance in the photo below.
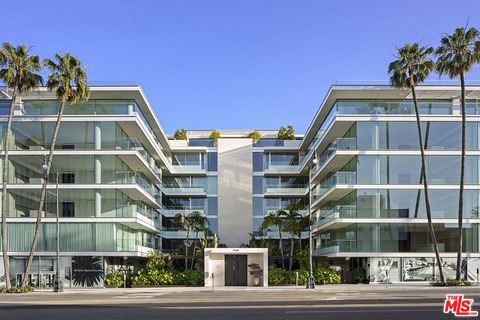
(235, 270)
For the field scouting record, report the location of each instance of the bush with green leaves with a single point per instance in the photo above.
(255, 135)
(25, 289)
(180, 134)
(302, 276)
(188, 278)
(326, 276)
(451, 283)
(287, 133)
(114, 279)
(359, 275)
(215, 135)
(279, 276)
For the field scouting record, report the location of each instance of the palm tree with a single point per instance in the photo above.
(413, 66)
(69, 81)
(275, 219)
(186, 222)
(199, 223)
(456, 55)
(19, 73)
(292, 218)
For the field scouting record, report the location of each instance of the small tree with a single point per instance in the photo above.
(180, 134)
(215, 135)
(287, 133)
(255, 135)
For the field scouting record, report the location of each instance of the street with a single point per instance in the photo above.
(326, 302)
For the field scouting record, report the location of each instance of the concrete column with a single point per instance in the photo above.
(98, 203)
(456, 107)
(375, 237)
(98, 170)
(131, 109)
(98, 136)
(133, 207)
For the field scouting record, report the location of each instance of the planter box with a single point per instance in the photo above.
(165, 286)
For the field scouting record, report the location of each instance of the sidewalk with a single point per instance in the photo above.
(319, 288)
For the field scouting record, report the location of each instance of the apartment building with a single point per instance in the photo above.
(356, 170)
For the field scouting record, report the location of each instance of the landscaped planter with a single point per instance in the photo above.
(166, 286)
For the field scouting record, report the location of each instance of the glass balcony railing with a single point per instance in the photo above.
(173, 211)
(337, 212)
(275, 210)
(175, 188)
(340, 245)
(338, 144)
(340, 177)
(130, 177)
(134, 144)
(287, 188)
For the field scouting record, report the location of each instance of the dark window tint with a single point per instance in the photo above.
(212, 161)
(257, 184)
(257, 161)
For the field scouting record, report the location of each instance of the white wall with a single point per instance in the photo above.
(235, 219)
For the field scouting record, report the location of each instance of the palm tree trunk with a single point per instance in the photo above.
(462, 182)
(417, 200)
(281, 245)
(186, 248)
(43, 193)
(194, 249)
(291, 254)
(425, 180)
(6, 263)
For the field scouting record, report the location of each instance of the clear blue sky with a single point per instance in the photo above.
(232, 64)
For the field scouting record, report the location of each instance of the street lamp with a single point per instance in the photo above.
(57, 284)
(311, 279)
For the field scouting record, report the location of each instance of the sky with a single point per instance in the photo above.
(233, 64)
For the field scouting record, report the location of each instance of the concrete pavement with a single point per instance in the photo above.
(402, 301)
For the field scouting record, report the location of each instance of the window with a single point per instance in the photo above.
(68, 178)
(257, 161)
(257, 184)
(68, 209)
(212, 161)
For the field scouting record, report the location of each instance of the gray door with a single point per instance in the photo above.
(235, 270)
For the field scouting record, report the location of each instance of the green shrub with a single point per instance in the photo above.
(153, 277)
(255, 135)
(278, 276)
(359, 275)
(451, 283)
(188, 278)
(287, 133)
(326, 276)
(302, 276)
(180, 134)
(25, 289)
(215, 135)
(114, 279)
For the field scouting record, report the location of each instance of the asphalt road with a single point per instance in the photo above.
(74, 312)
(332, 303)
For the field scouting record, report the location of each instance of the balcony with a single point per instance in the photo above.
(171, 189)
(130, 177)
(178, 233)
(291, 190)
(273, 210)
(336, 246)
(334, 187)
(173, 211)
(328, 216)
(325, 163)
